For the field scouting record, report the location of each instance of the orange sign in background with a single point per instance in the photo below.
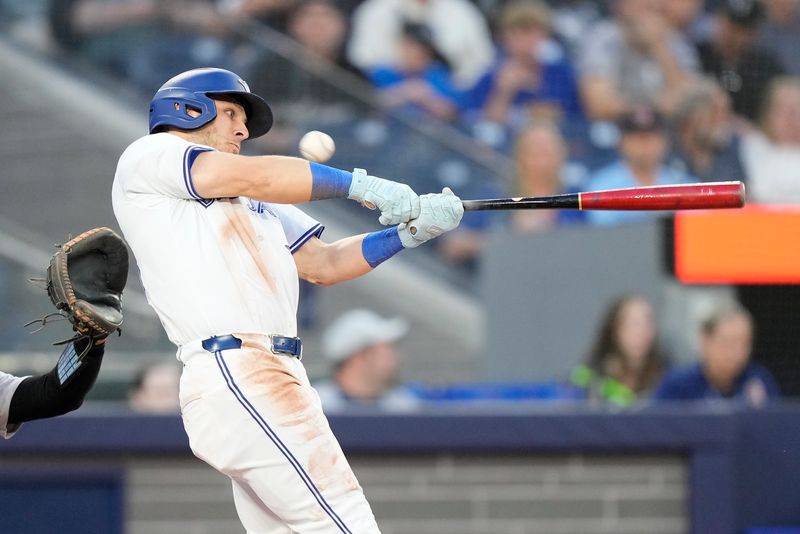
(754, 245)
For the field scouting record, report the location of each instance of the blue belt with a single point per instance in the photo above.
(293, 346)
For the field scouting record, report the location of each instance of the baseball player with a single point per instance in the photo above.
(85, 282)
(220, 248)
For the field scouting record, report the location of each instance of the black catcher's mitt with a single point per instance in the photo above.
(85, 280)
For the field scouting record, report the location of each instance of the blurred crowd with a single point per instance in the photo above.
(579, 94)
(624, 366)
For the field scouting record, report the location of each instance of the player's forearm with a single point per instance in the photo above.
(332, 263)
(38, 397)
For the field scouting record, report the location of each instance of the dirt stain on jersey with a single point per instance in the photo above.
(240, 227)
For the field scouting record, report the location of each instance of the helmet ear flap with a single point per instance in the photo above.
(186, 101)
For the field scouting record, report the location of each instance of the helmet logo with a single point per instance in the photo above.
(243, 84)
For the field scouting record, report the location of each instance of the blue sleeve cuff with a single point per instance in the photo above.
(378, 247)
(329, 182)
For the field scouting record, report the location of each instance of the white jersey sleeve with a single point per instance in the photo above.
(8, 385)
(160, 164)
(297, 225)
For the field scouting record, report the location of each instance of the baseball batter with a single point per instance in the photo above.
(220, 248)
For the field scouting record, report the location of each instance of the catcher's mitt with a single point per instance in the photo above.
(85, 280)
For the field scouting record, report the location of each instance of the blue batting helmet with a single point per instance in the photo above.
(195, 89)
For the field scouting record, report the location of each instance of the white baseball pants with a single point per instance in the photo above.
(254, 416)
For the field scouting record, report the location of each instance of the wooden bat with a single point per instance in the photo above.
(710, 195)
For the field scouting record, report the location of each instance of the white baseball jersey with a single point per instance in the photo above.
(209, 267)
(8, 385)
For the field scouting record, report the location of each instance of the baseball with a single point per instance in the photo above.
(317, 146)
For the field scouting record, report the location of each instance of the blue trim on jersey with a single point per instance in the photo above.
(223, 367)
(329, 182)
(188, 159)
(314, 231)
(379, 246)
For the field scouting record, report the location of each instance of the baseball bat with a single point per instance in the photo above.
(710, 195)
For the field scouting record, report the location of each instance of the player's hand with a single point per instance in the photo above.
(397, 202)
(439, 213)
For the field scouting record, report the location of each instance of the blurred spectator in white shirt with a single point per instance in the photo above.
(635, 57)
(772, 155)
(459, 31)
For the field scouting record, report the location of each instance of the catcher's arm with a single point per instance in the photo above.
(61, 390)
(85, 280)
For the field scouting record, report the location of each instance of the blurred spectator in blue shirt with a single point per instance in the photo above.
(540, 169)
(421, 83)
(725, 370)
(643, 147)
(362, 347)
(531, 77)
(625, 362)
(780, 32)
(706, 138)
(634, 57)
(459, 30)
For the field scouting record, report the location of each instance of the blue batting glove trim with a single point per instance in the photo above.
(329, 182)
(378, 247)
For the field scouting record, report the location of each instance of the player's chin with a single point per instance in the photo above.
(231, 148)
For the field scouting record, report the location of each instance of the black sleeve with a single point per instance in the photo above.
(38, 397)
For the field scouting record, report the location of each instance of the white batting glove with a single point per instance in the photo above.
(439, 213)
(397, 202)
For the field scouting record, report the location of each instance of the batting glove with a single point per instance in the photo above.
(397, 202)
(439, 213)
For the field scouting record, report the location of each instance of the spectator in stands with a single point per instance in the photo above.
(743, 68)
(780, 32)
(320, 28)
(421, 83)
(146, 41)
(540, 157)
(459, 31)
(725, 370)
(633, 58)
(772, 155)
(706, 138)
(531, 77)
(154, 389)
(625, 362)
(643, 150)
(361, 345)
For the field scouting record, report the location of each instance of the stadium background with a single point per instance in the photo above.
(523, 315)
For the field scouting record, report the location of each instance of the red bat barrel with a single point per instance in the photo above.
(711, 195)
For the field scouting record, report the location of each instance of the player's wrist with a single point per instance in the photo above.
(406, 237)
(377, 247)
(329, 182)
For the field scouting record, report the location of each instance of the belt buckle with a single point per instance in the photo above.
(297, 341)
